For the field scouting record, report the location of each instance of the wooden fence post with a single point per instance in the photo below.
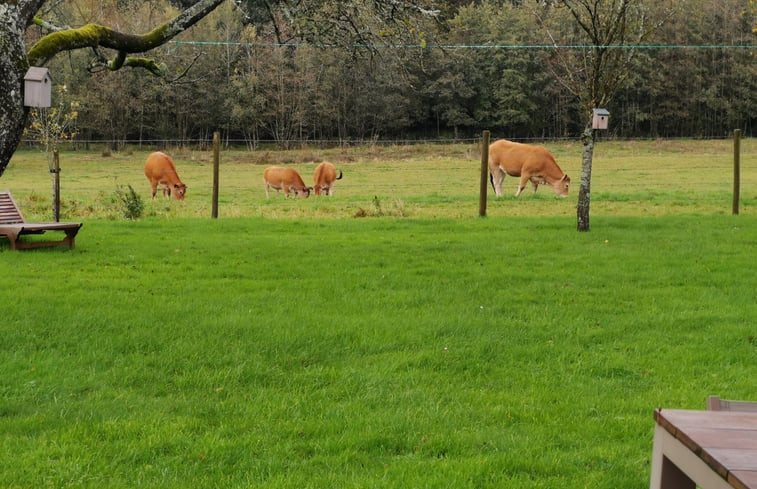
(216, 164)
(484, 172)
(56, 185)
(736, 170)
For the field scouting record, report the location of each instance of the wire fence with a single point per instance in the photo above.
(446, 167)
(629, 178)
(431, 46)
(239, 143)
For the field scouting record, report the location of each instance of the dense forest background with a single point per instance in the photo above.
(479, 65)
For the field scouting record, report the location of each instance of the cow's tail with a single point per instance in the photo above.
(491, 180)
(340, 175)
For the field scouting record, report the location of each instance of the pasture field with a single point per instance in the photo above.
(639, 178)
(290, 345)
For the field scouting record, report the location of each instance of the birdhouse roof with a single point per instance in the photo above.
(37, 74)
(601, 112)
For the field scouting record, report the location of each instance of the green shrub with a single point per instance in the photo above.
(129, 201)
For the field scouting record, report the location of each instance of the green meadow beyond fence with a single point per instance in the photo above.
(421, 180)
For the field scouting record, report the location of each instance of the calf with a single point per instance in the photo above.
(160, 170)
(286, 179)
(530, 163)
(325, 176)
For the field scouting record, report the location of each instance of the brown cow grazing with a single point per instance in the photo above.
(325, 176)
(286, 179)
(530, 163)
(160, 170)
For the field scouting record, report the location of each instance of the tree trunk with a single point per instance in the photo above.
(13, 67)
(584, 191)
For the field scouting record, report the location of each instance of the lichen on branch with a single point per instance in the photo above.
(92, 36)
(98, 36)
(157, 69)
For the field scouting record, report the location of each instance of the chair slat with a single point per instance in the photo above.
(9, 212)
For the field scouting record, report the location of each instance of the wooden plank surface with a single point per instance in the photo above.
(9, 212)
(725, 440)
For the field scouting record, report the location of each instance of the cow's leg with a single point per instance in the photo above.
(496, 178)
(154, 189)
(267, 195)
(536, 181)
(522, 184)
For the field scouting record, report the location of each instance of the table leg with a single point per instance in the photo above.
(665, 474)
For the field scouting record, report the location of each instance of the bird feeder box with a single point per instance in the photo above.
(600, 119)
(37, 87)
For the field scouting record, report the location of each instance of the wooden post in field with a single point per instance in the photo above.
(56, 185)
(736, 170)
(216, 164)
(484, 171)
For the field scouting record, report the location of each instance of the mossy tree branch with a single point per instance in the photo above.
(97, 36)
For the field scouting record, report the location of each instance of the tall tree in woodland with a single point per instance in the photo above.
(610, 28)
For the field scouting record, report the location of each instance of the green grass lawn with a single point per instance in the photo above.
(290, 345)
(500, 352)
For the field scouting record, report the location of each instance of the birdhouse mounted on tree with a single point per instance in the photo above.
(37, 87)
(600, 119)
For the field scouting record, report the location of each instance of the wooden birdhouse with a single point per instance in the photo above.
(37, 87)
(600, 119)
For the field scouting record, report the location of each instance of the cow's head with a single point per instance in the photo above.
(303, 191)
(179, 190)
(562, 186)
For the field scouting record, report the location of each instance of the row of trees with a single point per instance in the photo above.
(484, 65)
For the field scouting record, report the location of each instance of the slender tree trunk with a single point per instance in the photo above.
(55, 174)
(584, 190)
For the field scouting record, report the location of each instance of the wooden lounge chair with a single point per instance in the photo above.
(715, 403)
(13, 226)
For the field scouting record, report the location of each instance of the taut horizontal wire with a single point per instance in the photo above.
(478, 46)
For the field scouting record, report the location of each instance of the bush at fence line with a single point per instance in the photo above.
(130, 203)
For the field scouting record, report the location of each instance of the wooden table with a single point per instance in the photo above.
(709, 449)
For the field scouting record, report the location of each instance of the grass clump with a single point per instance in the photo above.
(397, 209)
